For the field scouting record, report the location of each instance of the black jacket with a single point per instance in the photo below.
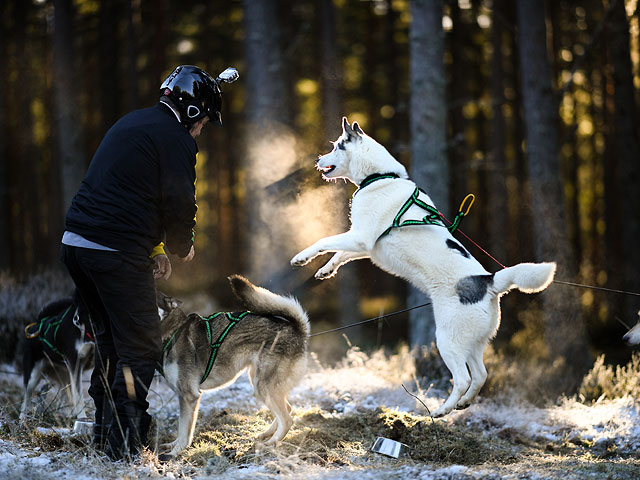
(140, 186)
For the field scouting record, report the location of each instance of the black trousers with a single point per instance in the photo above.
(119, 292)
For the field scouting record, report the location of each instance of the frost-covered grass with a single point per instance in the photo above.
(339, 411)
(606, 381)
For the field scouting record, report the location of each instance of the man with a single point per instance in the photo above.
(138, 196)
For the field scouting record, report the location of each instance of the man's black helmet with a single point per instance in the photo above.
(195, 93)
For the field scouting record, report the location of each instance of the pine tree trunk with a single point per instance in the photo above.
(627, 146)
(131, 77)
(613, 210)
(270, 145)
(5, 217)
(26, 183)
(68, 119)
(159, 40)
(458, 95)
(109, 80)
(497, 165)
(565, 334)
(429, 167)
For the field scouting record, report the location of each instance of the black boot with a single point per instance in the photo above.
(100, 435)
(101, 425)
(129, 436)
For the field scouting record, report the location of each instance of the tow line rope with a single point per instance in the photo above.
(380, 317)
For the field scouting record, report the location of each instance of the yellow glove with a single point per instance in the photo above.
(158, 250)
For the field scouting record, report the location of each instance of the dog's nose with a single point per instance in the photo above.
(625, 339)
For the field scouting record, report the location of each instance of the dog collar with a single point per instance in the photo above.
(375, 177)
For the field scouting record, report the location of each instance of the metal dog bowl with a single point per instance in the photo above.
(388, 447)
(83, 426)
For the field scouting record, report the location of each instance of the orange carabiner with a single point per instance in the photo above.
(473, 199)
(31, 335)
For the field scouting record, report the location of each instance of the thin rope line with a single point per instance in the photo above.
(370, 320)
(467, 237)
(482, 249)
(612, 290)
(622, 323)
(380, 317)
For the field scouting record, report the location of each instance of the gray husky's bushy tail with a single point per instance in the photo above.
(264, 302)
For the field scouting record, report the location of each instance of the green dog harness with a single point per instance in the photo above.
(433, 217)
(233, 319)
(47, 331)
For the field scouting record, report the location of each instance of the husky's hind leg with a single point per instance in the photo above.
(267, 434)
(455, 361)
(272, 389)
(478, 376)
(281, 409)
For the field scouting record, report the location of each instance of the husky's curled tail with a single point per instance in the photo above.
(264, 302)
(526, 277)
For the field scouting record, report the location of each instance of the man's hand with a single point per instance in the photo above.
(162, 267)
(189, 256)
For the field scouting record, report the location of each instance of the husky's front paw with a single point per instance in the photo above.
(301, 259)
(320, 275)
(323, 273)
(298, 261)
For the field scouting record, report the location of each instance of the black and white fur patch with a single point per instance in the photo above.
(456, 246)
(472, 289)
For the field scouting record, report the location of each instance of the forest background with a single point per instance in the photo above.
(531, 105)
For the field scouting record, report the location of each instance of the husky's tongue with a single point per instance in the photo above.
(328, 169)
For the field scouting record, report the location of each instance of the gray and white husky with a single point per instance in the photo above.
(205, 353)
(389, 225)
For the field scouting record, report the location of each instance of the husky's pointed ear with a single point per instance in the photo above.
(357, 129)
(346, 128)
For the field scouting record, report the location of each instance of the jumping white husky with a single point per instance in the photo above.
(389, 224)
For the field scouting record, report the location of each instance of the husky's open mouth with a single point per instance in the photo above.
(328, 169)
